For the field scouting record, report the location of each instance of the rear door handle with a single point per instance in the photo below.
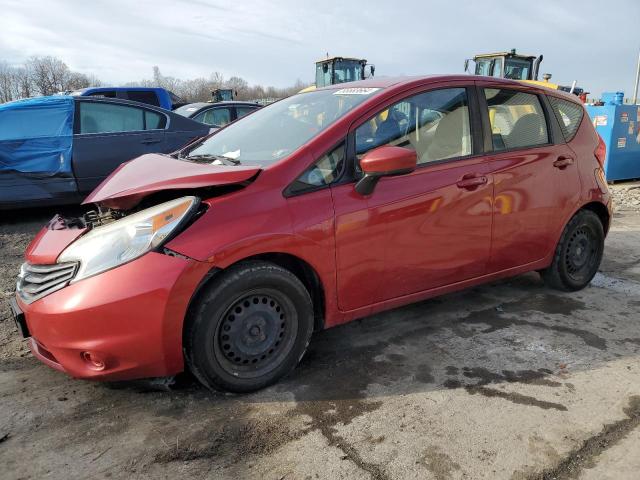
(469, 182)
(149, 141)
(563, 162)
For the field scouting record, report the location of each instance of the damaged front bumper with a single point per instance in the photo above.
(122, 324)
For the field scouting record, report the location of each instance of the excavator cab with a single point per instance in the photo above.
(515, 66)
(509, 65)
(222, 95)
(330, 71)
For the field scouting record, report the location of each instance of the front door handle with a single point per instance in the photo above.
(149, 141)
(563, 162)
(470, 182)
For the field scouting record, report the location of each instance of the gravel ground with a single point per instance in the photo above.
(505, 381)
(626, 196)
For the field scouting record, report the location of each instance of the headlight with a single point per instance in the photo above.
(130, 237)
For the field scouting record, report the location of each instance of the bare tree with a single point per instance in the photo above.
(239, 86)
(24, 83)
(9, 86)
(77, 81)
(49, 75)
(216, 79)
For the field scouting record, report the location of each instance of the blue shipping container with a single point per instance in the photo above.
(619, 127)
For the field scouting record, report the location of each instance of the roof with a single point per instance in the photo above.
(386, 82)
(119, 89)
(504, 54)
(328, 59)
(406, 82)
(199, 105)
(377, 82)
(121, 101)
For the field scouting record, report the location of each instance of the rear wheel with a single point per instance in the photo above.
(578, 254)
(250, 328)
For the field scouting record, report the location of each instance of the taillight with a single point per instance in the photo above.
(601, 151)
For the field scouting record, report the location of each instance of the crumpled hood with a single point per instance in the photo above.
(138, 178)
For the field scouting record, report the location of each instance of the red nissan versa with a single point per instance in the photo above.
(321, 208)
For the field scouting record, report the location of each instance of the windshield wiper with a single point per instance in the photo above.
(220, 158)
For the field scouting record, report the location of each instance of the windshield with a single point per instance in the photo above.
(483, 67)
(187, 110)
(324, 74)
(347, 71)
(517, 69)
(338, 71)
(275, 131)
(489, 67)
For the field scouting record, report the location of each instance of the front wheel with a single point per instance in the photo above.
(249, 329)
(578, 254)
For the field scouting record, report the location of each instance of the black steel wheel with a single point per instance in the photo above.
(255, 333)
(249, 328)
(578, 254)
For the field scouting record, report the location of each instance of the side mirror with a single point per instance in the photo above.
(384, 162)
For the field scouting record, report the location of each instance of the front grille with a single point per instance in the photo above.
(36, 281)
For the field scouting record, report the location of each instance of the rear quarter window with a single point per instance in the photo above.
(569, 116)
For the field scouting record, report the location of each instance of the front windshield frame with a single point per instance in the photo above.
(275, 132)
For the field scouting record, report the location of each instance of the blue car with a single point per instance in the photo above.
(55, 150)
(156, 96)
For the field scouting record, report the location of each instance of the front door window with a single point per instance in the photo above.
(435, 124)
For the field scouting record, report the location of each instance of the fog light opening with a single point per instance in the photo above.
(93, 360)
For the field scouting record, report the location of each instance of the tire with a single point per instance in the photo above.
(249, 328)
(578, 254)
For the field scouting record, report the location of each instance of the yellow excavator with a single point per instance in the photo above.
(332, 70)
(516, 66)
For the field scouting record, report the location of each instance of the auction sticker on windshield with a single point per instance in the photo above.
(356, 91)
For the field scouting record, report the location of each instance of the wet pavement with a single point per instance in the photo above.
(510, 380)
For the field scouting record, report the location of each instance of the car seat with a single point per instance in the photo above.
(528, 130)
(448, 138)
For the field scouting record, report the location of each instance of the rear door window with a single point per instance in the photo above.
(517, 119)
(150, 98)
(569, 116)
(99, 117)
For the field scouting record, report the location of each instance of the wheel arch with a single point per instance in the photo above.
(307, 275)
(296, 265)
(601, 210)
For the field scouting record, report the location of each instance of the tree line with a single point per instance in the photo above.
(49, 75)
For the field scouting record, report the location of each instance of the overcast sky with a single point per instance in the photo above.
(276, 42)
